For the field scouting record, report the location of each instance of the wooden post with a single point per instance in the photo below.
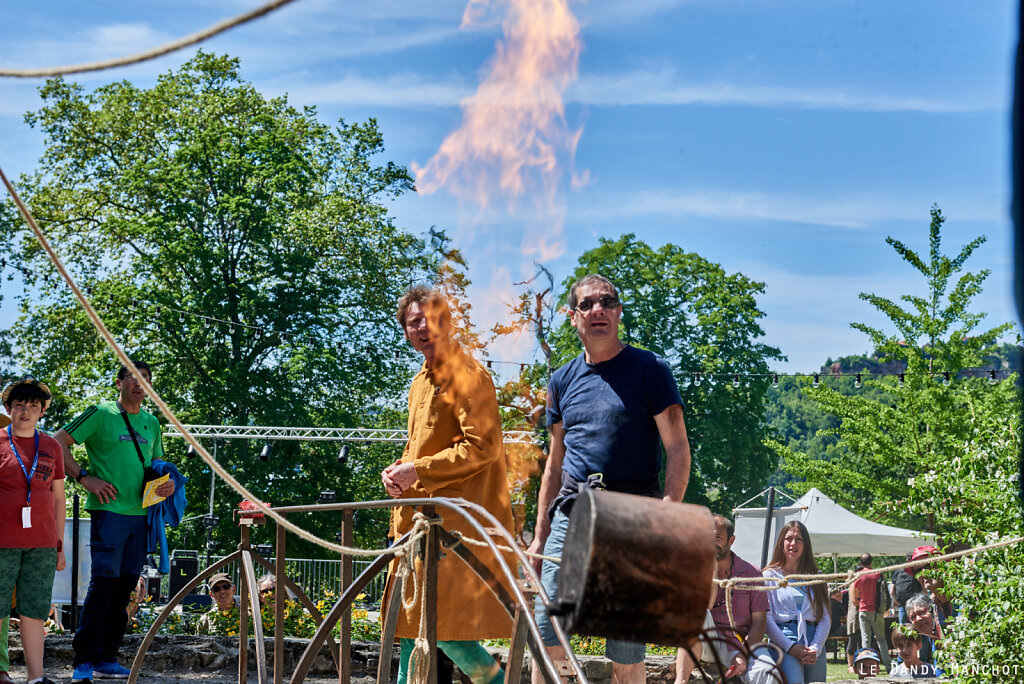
(279, 596)
(431, 555)
(243, 599)
(345, 633)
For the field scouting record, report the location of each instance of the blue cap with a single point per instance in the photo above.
(866, 654)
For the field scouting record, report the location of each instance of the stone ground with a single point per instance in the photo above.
(213, 660)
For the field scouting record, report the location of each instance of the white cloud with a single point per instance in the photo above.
(663, 87)
(406, 90)
(119, 39)
(855, 212)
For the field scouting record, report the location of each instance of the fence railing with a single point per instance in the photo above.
(320, 578)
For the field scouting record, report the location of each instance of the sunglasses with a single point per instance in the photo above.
(220, 588)
(606, 301)
(268, 590)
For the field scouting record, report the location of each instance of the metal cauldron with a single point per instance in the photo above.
(636, 568)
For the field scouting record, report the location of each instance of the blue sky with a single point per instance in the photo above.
(782, 139)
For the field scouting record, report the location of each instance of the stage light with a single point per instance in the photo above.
(343, 454)
(326, 496)
(265, 453)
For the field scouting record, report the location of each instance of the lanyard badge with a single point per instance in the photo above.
(26, 512)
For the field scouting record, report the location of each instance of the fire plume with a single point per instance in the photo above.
(513, 132)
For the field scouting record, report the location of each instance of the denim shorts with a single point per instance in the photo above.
(621, 652)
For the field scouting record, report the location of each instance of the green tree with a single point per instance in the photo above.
(700, 319)
(972, 496)
(239, 245)
(902, 426)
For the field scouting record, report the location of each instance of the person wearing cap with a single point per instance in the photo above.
(904, 585)
(119, 526)
(222, 591)
(865, 663)
(31, 516)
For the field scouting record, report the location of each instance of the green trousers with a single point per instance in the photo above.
(472, 658)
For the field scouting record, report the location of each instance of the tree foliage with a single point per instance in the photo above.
(899, 427)
(699, 318)
(241, 247)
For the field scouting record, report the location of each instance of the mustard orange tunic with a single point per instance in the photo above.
(455, 444)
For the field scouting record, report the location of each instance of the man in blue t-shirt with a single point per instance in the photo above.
(608, 410)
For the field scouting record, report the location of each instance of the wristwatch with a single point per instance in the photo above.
(81, 473)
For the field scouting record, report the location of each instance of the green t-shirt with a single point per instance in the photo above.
(112, 455)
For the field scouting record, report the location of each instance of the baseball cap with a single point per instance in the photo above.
(27, 380)
(923, 552)
(866, 654)
(219, 577)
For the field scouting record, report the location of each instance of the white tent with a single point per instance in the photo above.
(834, 530)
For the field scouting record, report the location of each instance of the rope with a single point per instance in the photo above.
(152, 53)
(502, 547)
(171, 417)
(849, 577)
(406, 570)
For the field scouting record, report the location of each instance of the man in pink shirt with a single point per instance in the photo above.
(866, 592)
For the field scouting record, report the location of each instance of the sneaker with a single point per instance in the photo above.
(111, 671)
(83, 673)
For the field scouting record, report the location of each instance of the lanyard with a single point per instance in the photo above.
(35, 463)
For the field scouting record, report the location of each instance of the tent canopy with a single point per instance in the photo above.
(834, 530)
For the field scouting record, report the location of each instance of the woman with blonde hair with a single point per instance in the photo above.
(798, 617)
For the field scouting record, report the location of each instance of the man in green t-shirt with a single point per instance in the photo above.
(118, 527)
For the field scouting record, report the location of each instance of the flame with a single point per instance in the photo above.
(513, 132)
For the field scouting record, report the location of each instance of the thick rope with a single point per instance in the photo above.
(849, 577)
(502, 547)
(152, 53)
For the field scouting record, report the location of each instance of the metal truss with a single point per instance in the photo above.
(320, 434)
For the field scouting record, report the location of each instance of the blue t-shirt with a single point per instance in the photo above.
(607, 410)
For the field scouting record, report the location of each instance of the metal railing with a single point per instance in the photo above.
(319, 578)
(515, 595)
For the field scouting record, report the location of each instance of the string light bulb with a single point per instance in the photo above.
(903, 379)
(696, 379)
(991, 377)
(945, 378)
(735, 380)
(856, 382)
(775, 381)
(816, 380)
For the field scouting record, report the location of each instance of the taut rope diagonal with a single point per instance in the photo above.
(152, 394)
(152, 53)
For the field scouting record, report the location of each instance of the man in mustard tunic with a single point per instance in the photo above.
(454, 450)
